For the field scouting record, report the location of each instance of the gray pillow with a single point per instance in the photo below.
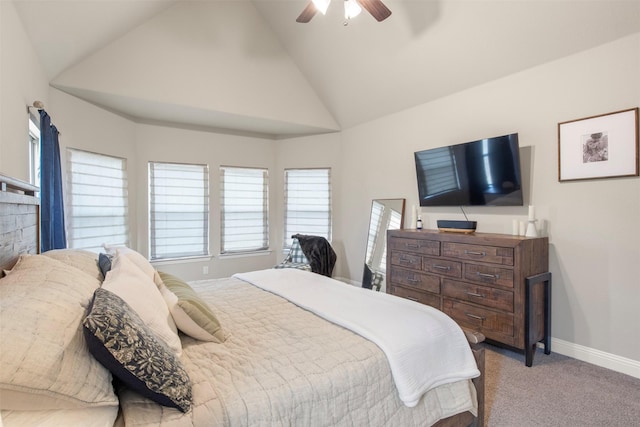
(119, 339)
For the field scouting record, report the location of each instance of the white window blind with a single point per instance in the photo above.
(178, 210)
(307, 203)
(244, 209)
(97, 200)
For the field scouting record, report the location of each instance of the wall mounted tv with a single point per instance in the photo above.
(477, 173)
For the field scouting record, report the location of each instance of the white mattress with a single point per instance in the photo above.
(283, 365)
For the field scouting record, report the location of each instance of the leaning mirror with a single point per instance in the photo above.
(386, 214)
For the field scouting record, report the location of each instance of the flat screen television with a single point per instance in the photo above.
(477, 173)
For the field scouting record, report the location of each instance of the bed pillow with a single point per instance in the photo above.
(44, 361)
(191, 314)
(121, 341)
(136, 257)
(83, 260)
(104, 262)
(139, 291)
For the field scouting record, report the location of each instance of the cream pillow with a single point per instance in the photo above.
(192, 314)
(136, 257)
(139, 291)
(44, 361)
(83, 260)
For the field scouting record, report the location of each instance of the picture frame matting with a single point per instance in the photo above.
(602, 146)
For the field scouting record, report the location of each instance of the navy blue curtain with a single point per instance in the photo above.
(52, 232)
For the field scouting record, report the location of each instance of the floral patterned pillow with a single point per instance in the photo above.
(119, 339)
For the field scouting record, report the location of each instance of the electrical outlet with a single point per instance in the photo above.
(205, 269)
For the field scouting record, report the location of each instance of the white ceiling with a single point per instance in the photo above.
(427, 49)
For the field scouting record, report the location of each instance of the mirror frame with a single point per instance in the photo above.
(367, 275)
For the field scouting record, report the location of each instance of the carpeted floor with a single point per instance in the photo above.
(557, 391)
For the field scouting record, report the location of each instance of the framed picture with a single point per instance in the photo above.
(603, 146)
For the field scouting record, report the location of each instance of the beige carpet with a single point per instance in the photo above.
(557, 391)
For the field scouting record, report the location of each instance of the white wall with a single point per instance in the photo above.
(203, 61)
(22, 81)
(592, 225)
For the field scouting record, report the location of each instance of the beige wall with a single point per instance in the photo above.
(592, 225)
(22, 81)
(208, 63)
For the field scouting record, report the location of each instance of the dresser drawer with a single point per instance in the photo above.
(424, 247)
(442, 266)
(488, 275)
(493, 324)
(422, 297)
(406, 260)
(426, 282)
(490, 254)
(489, 297)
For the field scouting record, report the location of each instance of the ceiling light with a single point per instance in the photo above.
(351, 9)
(321, 5)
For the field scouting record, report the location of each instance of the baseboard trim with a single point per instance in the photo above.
(586, 354)
(596, 357)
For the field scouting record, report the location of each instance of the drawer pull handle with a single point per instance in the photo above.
(489, 276)
(404, 260)
(412, 279)
(412, 299)
(473, 316)
(412, 245)
(473, 294)
(475, 253)
(442, 267)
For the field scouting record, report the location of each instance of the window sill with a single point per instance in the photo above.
(245, 254)
(167, 261)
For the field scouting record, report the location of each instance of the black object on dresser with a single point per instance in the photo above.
(497, 284)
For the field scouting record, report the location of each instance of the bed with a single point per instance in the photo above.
(254, 349)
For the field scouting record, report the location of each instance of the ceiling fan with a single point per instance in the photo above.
(376, 8)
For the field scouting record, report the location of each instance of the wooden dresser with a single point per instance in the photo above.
(497, 284)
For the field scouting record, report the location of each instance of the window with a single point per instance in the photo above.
(244, 209)
(307, 203)
(34, 150)
(178, 210)
(97, 200)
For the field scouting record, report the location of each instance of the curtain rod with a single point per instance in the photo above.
(39, 105)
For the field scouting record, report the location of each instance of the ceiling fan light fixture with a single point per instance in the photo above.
(351, 9)
(321, 5)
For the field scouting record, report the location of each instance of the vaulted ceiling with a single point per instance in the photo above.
(247, 66)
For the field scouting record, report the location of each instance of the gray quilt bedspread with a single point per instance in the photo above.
(282, 366)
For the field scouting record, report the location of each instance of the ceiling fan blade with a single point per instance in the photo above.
(307, 13)
(376, 8)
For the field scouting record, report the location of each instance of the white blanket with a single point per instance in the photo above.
(424, 346)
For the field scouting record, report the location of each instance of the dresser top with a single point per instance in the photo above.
(475, 237)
